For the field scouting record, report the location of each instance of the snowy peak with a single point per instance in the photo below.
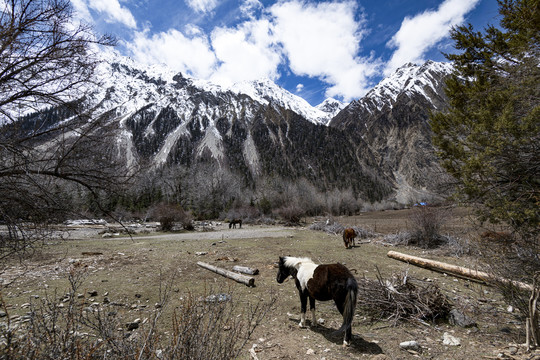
(424, 79)
(265, 91)
(331, 106)
(126, 73)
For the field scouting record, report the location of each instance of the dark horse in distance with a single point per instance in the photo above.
(322, 282)
(348, 237)
(232, 223)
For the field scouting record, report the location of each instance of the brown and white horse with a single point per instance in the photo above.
(348, 237)
(322, 282)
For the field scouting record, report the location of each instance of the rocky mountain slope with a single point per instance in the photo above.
(378, 146)
(393, 120)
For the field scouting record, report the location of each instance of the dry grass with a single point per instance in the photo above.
(130, 271)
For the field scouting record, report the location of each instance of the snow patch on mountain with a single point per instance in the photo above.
(265, 91)
(331, 106)
(408, 78)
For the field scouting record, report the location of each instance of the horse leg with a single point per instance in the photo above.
(312, 308)
(303, 308)
(340, 304)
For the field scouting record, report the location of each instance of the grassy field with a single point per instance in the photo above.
(133, 272)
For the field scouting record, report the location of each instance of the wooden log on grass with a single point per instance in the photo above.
(245, 270)
(249, 281)
(455, 270)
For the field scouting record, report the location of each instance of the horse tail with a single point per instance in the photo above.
(350, 303)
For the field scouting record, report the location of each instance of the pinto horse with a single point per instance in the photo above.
(232, 223)
(348, 237)
(321, 282)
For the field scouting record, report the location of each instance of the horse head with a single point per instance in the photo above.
(283, 271)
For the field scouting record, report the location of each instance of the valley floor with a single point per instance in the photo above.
(131, 270)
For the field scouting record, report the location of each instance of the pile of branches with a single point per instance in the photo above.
(401, 298)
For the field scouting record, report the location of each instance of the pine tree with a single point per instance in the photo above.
(489, 139)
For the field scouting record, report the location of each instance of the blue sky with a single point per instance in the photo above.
(315, 49)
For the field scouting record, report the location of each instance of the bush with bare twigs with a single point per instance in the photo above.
(426, 224)
(169, 215)
(291, 214)
(69, 327)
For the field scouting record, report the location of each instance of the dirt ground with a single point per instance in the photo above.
(130, 270)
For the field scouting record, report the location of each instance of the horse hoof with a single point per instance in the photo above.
(346, 343)
(302, 325)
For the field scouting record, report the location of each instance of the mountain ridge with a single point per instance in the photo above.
(377, 146)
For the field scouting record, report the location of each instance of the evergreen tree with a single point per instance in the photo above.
(489, 139)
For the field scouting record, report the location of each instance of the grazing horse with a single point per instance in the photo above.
(322, 282)
(233, 223)
(348, 237)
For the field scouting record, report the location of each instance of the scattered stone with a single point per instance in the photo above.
(106, 300)
(200, 253)
(132, 326)
(2, 314)
(320, 321)
(25, 305)
(138, 296)
(93, 293)
(380, 357)
(450, 340)
(409, 345)
(310, 352)
(458, 318)
(218, 298)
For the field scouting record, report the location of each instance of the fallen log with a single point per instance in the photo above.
(245, 270)
(249, 281)
(455, 270)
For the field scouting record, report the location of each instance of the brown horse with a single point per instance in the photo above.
(348, 237)
(233, 223)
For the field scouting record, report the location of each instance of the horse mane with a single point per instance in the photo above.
(291, 261)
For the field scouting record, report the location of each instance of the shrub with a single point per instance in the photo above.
(71, 328)
(291, 214)
(426, 223)
(169, 215)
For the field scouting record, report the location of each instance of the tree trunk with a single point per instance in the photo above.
(455, 270)
(245, 270)
(249, 281)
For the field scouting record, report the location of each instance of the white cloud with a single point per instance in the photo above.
(112, 9)
(423, 31)
(322, 40)
(191, 55)
(299, 87)
(247, 52)
(249, 7)
(202, 6)
(81, 11)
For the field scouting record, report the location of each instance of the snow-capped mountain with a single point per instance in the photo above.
(267, 92)
(393, 119)
(377, 146)
(331, 106)
(426, 80)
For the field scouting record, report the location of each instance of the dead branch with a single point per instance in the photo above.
(249, 281)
